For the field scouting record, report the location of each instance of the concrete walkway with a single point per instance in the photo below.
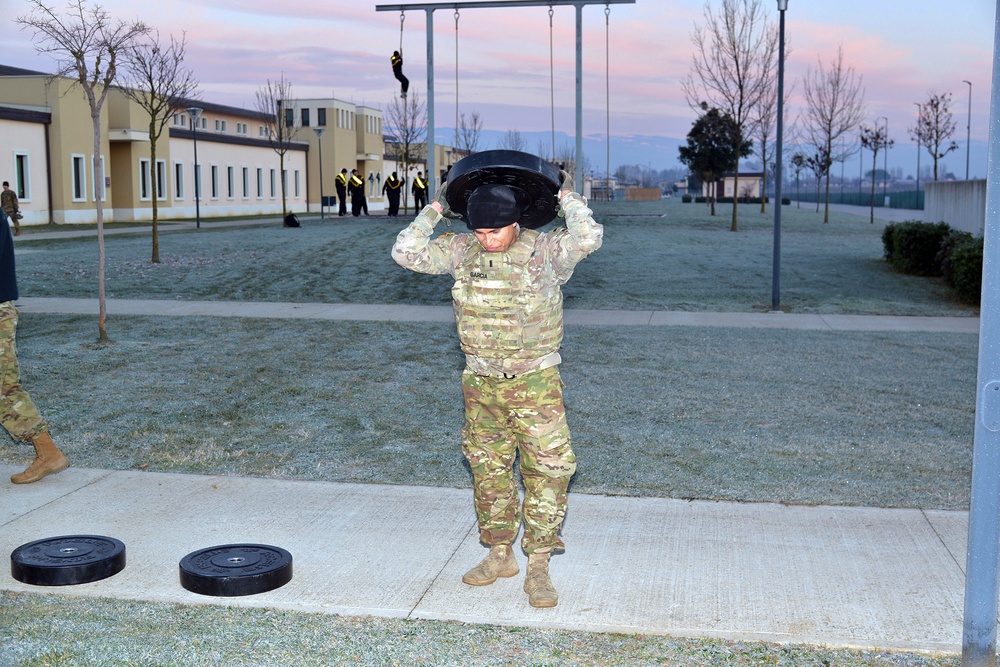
(838, 576)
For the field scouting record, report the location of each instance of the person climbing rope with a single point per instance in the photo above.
(397, 69)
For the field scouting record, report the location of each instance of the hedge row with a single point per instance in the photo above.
(935, 249)
(687, 199)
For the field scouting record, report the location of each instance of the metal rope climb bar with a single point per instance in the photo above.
(430, 7)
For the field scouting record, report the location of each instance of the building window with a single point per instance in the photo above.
(197, 181)
(246, 183)
(220, 125)
(305, 118)
(230, 182)
(161, 180)
(260, 183)
(22, 176)
(79, 166)
(180, 120)
(274, 184)
(321, 117)
(297, 187)
(262, 131)
(143, 179)
(241, 128)
(178, 180)
(289, 117)
(215, 181)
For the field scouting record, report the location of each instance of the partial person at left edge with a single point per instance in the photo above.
(18, 414)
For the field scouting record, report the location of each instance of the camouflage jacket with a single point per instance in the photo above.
(510, 321)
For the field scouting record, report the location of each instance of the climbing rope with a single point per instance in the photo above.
(402, 19)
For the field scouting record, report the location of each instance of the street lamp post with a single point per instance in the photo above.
(968, 131)
(195, 114)
(776, 260)
(885, 162)
(920, 116)
(319, 137)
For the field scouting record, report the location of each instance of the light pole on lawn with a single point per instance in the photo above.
(319, 137)
(195, 114)
(968, 131)
(776, 259)
(885, 162)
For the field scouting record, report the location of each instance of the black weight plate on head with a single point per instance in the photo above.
(67, 560)
(537, 180)
(232, 570)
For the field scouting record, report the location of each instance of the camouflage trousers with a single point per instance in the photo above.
(523, 416)
(18, 413)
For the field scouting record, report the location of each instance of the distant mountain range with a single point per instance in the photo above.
(658, 152)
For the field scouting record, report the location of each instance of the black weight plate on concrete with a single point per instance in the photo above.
(537, 180)
(67, 560)
(230, 570)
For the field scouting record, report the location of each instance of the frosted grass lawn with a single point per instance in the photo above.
(662, 255)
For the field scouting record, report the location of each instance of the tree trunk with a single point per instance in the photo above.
(736, 187)
(826, 207)
(155, 189)
(281, 181)
(102, 331)
(763, 182)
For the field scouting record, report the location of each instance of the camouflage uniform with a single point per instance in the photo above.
(18, 413)
(508, 307)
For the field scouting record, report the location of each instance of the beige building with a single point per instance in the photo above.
(47, 133)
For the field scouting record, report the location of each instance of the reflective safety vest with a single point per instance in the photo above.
(342, 178)
(393, 183)
(397, 61)
(357, 181)
(500, 313)
(420, 183)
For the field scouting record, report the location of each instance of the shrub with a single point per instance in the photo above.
(967, 269)
(887, 235)
(786, 201)
(686, 198)
(915, 246)
(700, 200)
(953, 240)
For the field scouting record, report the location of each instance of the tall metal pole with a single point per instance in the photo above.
(779, 148)
(431, 148)
(920, 116)
(979, 633)
(319, 138)
(195, 114)
(578, 178)
(968, 131)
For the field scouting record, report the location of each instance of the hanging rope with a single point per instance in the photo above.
(607, 88)
(402, 19)
(456, 78)
(552, 85)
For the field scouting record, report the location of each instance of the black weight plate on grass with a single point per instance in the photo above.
(67, 560)
(230, 570)
(537, 180)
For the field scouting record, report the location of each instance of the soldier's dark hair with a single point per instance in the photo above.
(493, 206)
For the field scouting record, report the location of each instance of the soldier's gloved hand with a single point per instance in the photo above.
(440, 203)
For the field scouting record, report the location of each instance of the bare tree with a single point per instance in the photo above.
(86, 44)
(274, 102)
(874, 139)
(935, 127)
(732, 68)
(834, 109)
(469, 130)
(406, 122)
(512, 141)
(157, 80)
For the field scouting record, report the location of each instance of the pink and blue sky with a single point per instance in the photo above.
(903, 50)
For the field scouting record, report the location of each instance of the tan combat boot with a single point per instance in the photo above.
(537, 584)
(500, 563)
(48, 461)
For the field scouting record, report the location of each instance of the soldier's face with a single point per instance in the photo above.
(497, 240)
